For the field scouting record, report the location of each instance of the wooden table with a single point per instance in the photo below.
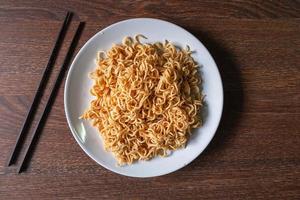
(256, 151)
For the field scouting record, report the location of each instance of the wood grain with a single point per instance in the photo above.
(256, 151)
(177, 10)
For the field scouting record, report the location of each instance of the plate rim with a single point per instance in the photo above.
(67, 83)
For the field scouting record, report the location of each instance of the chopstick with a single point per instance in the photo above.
(40, 89)
(51, 97)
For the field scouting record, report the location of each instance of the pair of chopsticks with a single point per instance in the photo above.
(39, 93)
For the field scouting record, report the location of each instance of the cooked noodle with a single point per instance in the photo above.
(148, 99)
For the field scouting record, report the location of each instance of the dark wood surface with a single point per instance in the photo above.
(256, 151)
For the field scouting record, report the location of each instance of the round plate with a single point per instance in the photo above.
(77, 97)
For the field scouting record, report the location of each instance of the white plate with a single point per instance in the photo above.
(77, 96)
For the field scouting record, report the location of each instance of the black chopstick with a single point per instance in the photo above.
(40, 89)
(51, 97)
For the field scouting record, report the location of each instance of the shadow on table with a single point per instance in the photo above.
(233, 96)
